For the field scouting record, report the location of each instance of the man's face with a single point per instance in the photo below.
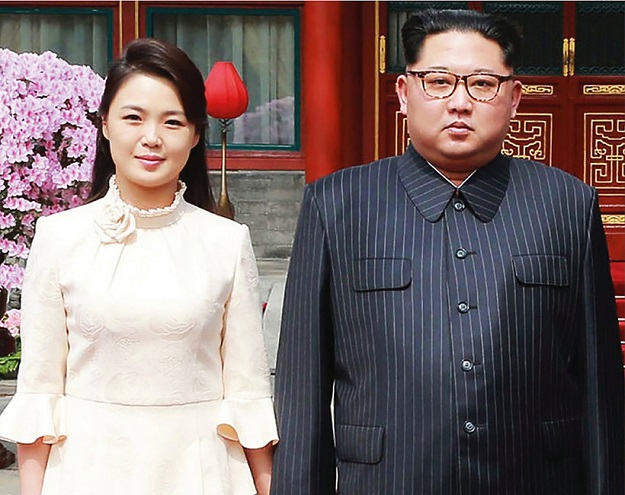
(458, 134)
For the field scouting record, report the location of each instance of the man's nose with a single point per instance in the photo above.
(460, 101)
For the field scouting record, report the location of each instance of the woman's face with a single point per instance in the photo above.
(150, 139)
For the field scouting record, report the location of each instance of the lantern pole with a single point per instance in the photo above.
(225, 208)
(226, 99)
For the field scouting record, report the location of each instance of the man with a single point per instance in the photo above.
(454, 302)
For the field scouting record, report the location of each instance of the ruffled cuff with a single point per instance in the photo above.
(31, 416)
(251, 422)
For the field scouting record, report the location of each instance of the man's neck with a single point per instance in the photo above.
(457, 182)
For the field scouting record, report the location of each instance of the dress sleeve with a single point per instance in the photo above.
(247, 414)
(37, 408)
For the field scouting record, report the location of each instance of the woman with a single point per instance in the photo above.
(143, 369)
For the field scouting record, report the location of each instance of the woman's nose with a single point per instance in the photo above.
(150, 137)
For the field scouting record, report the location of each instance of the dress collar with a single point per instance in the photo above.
(118, 220)
(483, 191)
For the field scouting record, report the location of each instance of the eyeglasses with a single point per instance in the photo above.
(442, 84)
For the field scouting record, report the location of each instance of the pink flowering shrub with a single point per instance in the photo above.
(11, 321)
(48, 112)
(10, 343)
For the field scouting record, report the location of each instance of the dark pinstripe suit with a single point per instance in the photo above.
(471, 338)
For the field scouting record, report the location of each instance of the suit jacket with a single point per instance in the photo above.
(468, 337)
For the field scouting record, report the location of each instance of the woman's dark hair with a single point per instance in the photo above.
(505, 32)
(161, 59)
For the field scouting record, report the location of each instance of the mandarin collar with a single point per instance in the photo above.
(117, 221)
(483, 192)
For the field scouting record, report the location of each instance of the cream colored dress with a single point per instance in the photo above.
(143, 358)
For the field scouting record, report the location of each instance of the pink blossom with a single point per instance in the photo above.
(11, 276)
(6, 220)
(47, 146)
(12, 320)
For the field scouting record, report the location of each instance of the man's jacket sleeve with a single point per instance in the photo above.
(304, 463)
(604, 419)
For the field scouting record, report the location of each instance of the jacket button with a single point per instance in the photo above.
(461, 253)
(459, 205)
(469, 427)
(467, 365)
(463, 307)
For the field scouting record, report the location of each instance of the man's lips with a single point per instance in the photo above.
(459, 125)
(459, 128)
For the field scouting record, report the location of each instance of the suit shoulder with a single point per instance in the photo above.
(354, 176)
(548, 177)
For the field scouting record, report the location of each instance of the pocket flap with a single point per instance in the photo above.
(381, 273)
(541, 269)
(561, 438)
(359, 443)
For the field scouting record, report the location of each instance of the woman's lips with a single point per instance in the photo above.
(150, 161)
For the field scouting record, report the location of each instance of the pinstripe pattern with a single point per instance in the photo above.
(470, 336)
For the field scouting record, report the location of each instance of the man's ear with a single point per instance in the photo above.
(401, 89)
(517, 91)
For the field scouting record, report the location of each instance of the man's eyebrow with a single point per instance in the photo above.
(479, 70)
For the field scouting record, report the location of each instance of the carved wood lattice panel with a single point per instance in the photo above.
(604, 150)
(530, 137)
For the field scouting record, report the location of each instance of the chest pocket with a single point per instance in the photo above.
(381, 274)
(541, 269)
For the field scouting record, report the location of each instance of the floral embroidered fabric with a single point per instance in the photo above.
(143, 357)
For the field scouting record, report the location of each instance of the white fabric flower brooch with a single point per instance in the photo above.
(116, 223)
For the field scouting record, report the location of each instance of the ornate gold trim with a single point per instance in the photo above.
(604, 89)
(376, 102)
(571, 56)
(565, 57)
(612, 219)
(382, 54)
(537, 89)
(121, 26)
(136, 19)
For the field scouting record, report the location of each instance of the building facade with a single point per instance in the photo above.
(321, 79)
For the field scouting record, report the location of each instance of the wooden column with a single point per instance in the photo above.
(321, 87)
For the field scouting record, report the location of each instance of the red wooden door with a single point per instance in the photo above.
(572, 114)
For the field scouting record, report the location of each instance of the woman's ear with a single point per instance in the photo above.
(105, 128)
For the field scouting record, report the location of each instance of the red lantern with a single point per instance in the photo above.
(226, 94)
